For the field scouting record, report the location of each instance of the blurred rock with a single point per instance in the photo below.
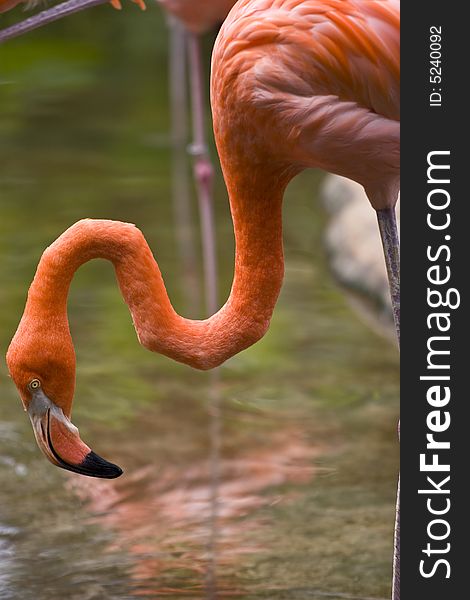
(355, 251)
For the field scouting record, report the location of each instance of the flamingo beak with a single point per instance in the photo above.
(59, 440)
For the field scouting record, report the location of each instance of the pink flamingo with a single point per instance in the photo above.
(295, 84)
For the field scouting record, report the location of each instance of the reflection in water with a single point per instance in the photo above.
(7, 552)
(8, 534)
(160, 512)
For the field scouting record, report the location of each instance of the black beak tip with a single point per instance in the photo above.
(95, 466)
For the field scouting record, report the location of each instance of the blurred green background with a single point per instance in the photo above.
(309, 456)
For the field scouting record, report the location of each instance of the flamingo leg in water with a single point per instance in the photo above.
(391, 245)
(181, 189)
(204, 176)
(203, 170)
(215, 438)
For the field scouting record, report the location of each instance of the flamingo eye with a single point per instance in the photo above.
(33, 385)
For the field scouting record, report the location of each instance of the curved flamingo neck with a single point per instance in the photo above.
(204, 344)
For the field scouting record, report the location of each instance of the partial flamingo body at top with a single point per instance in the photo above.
(198, 16)
(295, 84)
(6, 5)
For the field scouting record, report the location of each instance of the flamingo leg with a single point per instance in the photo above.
(180, 175)
(391, 245)
(389, 233)
(204, 176)
(203, 170)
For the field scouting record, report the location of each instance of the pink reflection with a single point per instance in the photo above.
(160, 513)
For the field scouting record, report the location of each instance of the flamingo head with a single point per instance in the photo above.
(41, 362)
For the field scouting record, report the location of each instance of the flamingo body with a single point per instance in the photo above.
(198, 16)
(312, 83)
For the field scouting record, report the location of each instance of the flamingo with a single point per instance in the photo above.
(295, 84)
